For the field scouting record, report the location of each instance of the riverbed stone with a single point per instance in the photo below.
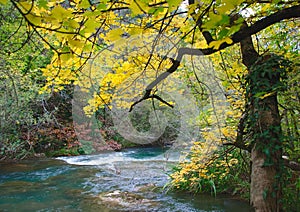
(126, 201)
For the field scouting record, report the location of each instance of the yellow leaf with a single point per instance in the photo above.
(138, 7)
(174, 3)
(34, 19)
(267, 95)
(60, 13)
(84, 4)
(76, 43)
(74, 24)
(115, 34)
(135, 31)
(3, 1)
(227, 40)
(216, 44)
(90, 26)
(25, 5)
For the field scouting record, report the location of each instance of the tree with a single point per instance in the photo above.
(76, 29)
(20, 79)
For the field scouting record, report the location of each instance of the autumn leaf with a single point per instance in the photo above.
(115, 34)
(174, 3)
(216, 44)
(138, 7)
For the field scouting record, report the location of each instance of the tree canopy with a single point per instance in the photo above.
(75, 30)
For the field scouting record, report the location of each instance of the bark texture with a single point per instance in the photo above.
(265, 190)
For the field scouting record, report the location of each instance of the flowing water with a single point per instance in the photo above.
(113, 181)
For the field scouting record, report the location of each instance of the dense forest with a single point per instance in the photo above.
(216, 79)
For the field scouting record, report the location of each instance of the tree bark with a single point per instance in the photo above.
(266, 153)
(264, 125)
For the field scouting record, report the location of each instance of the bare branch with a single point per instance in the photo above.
(150, 97)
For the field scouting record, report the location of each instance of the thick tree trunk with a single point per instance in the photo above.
(264, 125)
(265, 156)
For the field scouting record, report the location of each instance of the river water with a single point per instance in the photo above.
(130, 180)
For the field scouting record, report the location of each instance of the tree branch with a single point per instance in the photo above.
(243, 33)
(151, 97)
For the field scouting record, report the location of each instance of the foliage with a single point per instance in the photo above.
(20, 80)
(51, 138)
(73, 30)
(211, 165)
(30, 122)
(213, 170)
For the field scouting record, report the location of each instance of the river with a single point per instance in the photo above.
(130, 180)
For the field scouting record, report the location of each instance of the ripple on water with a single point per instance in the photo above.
(78, 185)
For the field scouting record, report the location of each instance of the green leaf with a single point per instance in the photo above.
(225, 20)
(233, 29)
(43, 3)
(213, 21)
(76, 43)
(101, 6)
(223, 33)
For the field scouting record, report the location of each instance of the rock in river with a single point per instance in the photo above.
(126, 201)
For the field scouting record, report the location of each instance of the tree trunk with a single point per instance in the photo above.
(265, 156)
(264, 126)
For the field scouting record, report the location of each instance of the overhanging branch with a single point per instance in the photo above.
(288, 13)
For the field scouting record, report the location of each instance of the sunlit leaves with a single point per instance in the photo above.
(114, 34)
(216, 44)
(215, 20)
(137, 7)
(75, 30)
(173, 4)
